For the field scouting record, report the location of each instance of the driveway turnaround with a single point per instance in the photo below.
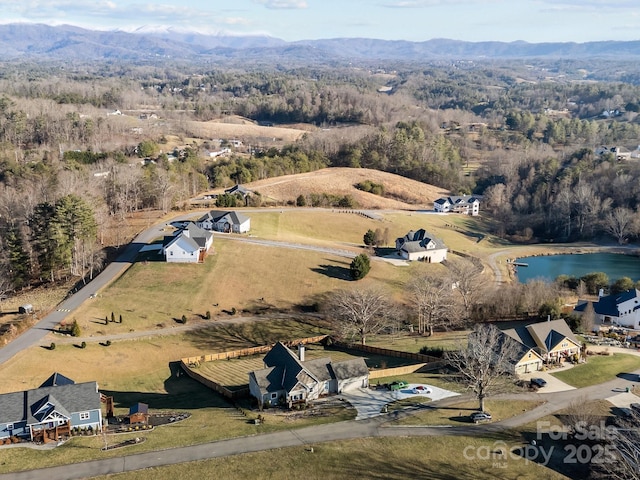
(553, 384)
(369, 401)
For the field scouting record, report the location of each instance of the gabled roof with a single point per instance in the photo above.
(418, 240)
(286, 372)
(56, 380)
(238, 189)
(72, 397)
(184, 242)
(350, 369)
(139, 408)
(41, 409)
(230, 216)
(608, 305)
(542, 336)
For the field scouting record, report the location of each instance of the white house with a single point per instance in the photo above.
(419, 245)
(188, 245)
(220, 221)
(618, 309)
(466, 204)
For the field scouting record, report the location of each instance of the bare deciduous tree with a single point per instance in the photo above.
(622, 454)
(434, 301)
(470, 286)
(359, 312)
(486, 361)
(621, 223)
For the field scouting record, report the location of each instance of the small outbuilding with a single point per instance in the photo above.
(139, 413)
(27, 308)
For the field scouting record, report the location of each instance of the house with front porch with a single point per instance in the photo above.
(420, 245)
(289, 378)
(543, 342)
(621, 309)
(227, 222)
(51, 410)
(188, 245)
(465, 204)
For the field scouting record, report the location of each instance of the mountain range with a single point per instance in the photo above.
(25, 41)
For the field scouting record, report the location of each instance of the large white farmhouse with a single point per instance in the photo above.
(419, 245)
(466, 204)
(618, 309)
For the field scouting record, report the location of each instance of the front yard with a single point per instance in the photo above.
(599, 369)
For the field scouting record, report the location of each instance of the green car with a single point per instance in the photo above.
(398, 385)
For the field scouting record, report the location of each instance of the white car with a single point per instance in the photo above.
(421, 390)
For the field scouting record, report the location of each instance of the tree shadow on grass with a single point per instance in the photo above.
(333, 271)
(182, 393)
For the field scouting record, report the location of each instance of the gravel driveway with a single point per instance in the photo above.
(369, 401)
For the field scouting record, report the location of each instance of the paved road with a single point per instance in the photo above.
(36, 334)
(375, 427)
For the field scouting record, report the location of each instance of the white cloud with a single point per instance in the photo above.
(283, 4)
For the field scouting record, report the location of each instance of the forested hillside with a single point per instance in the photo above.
(82, 147)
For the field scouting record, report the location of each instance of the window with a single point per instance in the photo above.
(274, 396)
(84, 415)
(9, 426)
(170, 252)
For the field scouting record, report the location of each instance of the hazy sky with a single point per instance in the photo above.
(416, 20)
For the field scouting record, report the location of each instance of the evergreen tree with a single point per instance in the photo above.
(360, 266)
(75, 329)
(369, 237)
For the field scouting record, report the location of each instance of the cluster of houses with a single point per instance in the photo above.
(191, 242)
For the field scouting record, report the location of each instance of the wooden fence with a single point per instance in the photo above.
(418, 357)
(245, 352)
(216, 387)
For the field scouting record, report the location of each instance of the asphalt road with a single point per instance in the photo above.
(304, 437)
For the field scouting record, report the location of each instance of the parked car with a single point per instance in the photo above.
(398, 385)
(538, 382)
(480, 417)
(421, 390)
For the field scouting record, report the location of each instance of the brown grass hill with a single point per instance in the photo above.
(399, 192)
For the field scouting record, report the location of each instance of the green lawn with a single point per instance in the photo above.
(392, 458)
(599, 369)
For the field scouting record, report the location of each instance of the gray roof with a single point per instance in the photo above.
(238, 189)
(417, 241)
(231, 216)
(56, 380)
(551, 333)
(285, 371)
(459, 199)
(66, 399)
(350, 369)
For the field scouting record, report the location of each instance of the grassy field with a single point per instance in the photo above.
(438, 457)
(142, 365)
(160, 293)
(458, 413)
(599, 369)
(413, 343)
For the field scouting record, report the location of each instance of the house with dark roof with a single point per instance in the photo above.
(224, 221)
(420, 245)
(238, 190)
(52, 409)
(617, 309)
(540, 342)
(189, 244)
(465, 204)
(289, 378)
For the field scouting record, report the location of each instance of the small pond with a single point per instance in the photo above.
(549, 267)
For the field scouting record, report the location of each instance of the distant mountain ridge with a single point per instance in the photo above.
(38, 41)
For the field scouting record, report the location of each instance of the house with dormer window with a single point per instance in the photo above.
(51, 410)
(621, 309)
